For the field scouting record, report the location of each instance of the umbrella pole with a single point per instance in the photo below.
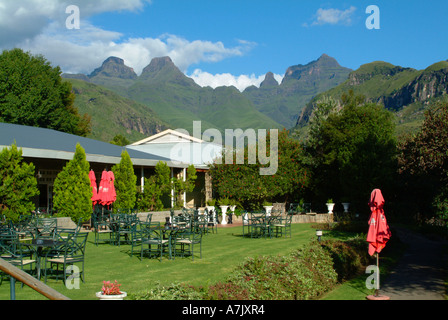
(378, 270)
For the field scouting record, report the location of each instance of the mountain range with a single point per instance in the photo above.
(122, 102)
(176, 100)
(405, 91)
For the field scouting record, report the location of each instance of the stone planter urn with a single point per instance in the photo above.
(102, 296)
(211, 212)
(268, 210)
(246, 218)
(346, 206)
(232, 209)
(330, 207)
(224, 216)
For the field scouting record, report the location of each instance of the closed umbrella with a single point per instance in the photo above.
(95, 199)
(378, 234)
(104, 188)
(112, 193)
(107, 192)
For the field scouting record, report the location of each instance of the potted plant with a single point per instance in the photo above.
(232, 206)
(330, 205)
(224, 205)
(211, 208)
(211, 205)
(267, 207)
(346, 204)
(111, 291)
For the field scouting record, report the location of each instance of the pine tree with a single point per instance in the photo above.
(18, 184)
(125, 182)
(72, 189)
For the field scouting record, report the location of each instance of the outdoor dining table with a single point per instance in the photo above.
(40, 245)
(170, 233)
(259, 224)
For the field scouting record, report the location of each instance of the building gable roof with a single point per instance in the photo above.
(168, 136)
(51, 144)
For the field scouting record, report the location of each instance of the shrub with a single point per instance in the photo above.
(18, 185)
(125, 181)
(174, 291)
(349, 257)
(72, 189)
(305, 274)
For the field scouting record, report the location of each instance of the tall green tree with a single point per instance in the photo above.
(18, 184)
(180, 186)
(353, 151)
(155, 187)
(32, 93)
(125, 182)
(423, 164)
(120, 140)
(72, 189)
(243, 182)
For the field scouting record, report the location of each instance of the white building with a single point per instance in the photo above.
(50, 150)
(183, 150)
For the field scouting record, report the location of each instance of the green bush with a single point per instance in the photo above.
(304, 274)
(174, 291)
(349, 257)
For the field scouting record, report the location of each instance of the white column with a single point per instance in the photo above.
(142, 179)
(172, 190)
(185, 193)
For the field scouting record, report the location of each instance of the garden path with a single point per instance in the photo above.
(421, 273)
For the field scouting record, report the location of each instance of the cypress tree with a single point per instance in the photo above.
(125, 182)
(18, 184)
(72, 190)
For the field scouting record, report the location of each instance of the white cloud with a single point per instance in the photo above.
(333, 16)
(22, 20)
(39, 26)
(241, 82)
(81, 51)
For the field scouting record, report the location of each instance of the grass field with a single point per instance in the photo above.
(221, 253)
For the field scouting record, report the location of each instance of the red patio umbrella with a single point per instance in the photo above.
(95, 198)
(378, 234)
(106, 192)
(112, 193)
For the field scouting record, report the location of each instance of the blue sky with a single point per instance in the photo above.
(224, 42)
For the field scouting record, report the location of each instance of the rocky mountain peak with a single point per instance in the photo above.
(328, 61)
(269, 81)
(114, 67)
(163, 69)
(322, 68)
(158, 64)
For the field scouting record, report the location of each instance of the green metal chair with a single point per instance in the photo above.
(185, 243)
(200, 224)
(281, 225)
(156, 242)
(101, 227)
(17, 253)
(139, 232)
(46, 227)
(123, 228)
(71, 252)
(256, 225)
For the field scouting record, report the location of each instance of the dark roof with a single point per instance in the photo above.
(47, 143)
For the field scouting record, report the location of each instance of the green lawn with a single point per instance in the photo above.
(221, 253)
